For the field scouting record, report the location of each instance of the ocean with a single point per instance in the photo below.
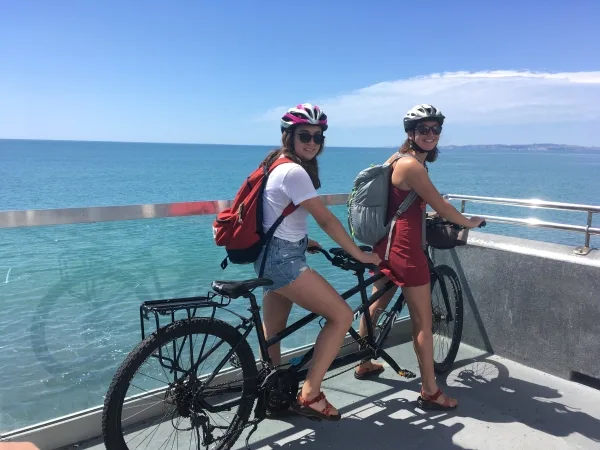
(70, 295)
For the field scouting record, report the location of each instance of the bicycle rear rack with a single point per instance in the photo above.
(171, 306)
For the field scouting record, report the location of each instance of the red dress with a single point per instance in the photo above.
(407, 264)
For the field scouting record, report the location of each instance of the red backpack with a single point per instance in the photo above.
(239, 228)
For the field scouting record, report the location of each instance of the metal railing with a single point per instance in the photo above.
(62, 216)
(587, 229)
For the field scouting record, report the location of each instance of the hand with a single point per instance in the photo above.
(369, 258)
(312, 243)
(475, 222)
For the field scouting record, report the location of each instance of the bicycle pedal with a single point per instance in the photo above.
(406, 373)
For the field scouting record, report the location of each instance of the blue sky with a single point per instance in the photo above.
(222, 71)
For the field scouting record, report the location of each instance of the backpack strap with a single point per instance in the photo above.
(290, 208)
(410, 198)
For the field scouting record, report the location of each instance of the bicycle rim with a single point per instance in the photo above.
(165, 406)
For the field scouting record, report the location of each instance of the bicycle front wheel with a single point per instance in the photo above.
(190, 378)
(447, 320)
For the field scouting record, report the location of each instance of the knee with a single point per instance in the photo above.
(345, 317)
(421, 324)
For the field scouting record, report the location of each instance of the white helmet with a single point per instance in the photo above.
(420, 113)
(306, 114)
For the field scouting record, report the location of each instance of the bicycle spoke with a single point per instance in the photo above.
(172, 388)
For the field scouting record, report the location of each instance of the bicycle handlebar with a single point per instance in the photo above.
(436, 221)
(345, 261)
(342, 259)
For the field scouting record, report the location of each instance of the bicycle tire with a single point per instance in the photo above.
(446, 276)
(111, 418)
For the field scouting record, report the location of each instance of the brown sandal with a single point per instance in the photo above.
(303, 407)
(369, 373)
(426, 401)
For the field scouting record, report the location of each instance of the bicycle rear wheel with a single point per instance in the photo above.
(447, 320)
(190, 410)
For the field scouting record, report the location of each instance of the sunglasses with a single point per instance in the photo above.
(305, 137)
(423, 130)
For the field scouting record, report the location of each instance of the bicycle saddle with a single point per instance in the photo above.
(337, 251)
(234, 289)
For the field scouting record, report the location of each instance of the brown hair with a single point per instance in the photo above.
(287, 149)
(406, 147)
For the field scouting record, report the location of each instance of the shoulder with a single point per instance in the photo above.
(283, 169)
(292, 170)
(408, 163)
(291, 176)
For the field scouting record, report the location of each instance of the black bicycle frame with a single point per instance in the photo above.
(363, 308)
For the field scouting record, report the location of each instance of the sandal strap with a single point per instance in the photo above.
(433, 397)
(318, 398)
(327, 410)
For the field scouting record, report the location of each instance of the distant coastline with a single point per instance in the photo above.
(524, 147)
(538, 147)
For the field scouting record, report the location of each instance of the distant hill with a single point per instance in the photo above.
(538, 147)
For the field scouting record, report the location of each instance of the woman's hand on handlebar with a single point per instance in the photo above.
(369, 258)
(313, 244)
(475, 221)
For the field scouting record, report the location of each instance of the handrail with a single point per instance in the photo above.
(588, 230)
(531, 203)
(532, 222)
(63, 216)
(92, 214)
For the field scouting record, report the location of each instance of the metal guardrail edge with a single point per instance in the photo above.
(64, 216)
(530, 203)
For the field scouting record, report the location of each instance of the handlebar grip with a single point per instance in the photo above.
(321, 250)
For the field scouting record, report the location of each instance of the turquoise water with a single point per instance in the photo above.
(70, 295)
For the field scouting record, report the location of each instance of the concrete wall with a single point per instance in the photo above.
(533, 302)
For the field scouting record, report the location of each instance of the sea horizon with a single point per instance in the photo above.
(532, 145)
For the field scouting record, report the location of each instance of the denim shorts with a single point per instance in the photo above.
(285, 262)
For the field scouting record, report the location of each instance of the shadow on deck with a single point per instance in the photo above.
(502, 405)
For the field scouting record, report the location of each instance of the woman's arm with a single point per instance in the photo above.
(416, 177)
(331, 225)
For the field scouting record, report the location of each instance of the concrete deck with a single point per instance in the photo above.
(502, 405)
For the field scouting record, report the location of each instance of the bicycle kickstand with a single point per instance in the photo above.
(402, 372)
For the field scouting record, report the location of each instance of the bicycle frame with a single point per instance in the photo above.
(363, 308)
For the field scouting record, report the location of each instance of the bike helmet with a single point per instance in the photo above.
(420, 113)
(304, 114)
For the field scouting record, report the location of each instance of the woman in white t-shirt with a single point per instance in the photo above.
(302, 141)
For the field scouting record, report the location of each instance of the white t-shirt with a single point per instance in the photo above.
(287, 182)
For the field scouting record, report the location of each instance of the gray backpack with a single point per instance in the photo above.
(368, 204)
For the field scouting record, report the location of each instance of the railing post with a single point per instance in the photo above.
(586, 247)
(462, 206)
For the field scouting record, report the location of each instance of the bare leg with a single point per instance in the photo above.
(382, 303)
(419, 306)
(314, 293)
(276, 310)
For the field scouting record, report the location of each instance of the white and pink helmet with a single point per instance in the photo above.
(304, 114)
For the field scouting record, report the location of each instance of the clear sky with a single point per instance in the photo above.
(222, 71)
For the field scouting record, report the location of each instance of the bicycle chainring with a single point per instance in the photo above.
(280, 388)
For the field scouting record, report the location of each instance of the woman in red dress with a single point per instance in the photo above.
(407, 265)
